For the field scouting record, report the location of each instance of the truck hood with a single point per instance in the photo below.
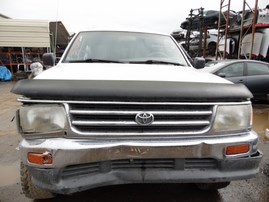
(127, 72)
(129, 82)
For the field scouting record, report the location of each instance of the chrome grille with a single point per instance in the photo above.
(171, 164)
(119, 118)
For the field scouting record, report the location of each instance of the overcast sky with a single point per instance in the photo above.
(159, 15)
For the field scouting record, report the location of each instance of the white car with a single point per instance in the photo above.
(211, 43)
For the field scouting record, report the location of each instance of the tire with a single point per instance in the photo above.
(212, 186)
(29, 189)
(212, 49)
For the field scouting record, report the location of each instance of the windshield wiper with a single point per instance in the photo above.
(156, 62)
(91, 60)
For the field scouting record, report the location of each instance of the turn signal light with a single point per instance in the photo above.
(237, 149)
(40, 159)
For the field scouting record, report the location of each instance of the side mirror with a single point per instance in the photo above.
(199, 63)
(48, 60)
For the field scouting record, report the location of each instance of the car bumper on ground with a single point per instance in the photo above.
(80, 164)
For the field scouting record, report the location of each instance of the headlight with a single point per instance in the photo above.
(42, 119)
(233, 118)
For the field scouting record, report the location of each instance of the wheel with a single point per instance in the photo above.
(212, 49)
(212, 186)
(29, 189)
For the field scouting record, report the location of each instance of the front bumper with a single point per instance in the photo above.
(80, 164)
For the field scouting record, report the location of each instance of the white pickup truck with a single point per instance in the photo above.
(128, 107)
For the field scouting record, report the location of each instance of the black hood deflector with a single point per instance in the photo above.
(130, 90)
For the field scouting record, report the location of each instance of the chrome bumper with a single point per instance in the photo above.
(79, 151)
(228, 170)
(75, 152)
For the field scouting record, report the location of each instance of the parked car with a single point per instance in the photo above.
(262, 18)
(211, 43)
(211, 18)
(253, 74)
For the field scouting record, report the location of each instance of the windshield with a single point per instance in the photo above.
(127, 47)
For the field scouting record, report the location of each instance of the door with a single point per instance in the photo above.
(233, 72)
(258, 79)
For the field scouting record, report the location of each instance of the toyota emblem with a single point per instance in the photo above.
(144, 118)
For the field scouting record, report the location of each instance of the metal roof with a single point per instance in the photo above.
(24, 33)
(58, 29)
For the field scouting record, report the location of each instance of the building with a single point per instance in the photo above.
(23, 42)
